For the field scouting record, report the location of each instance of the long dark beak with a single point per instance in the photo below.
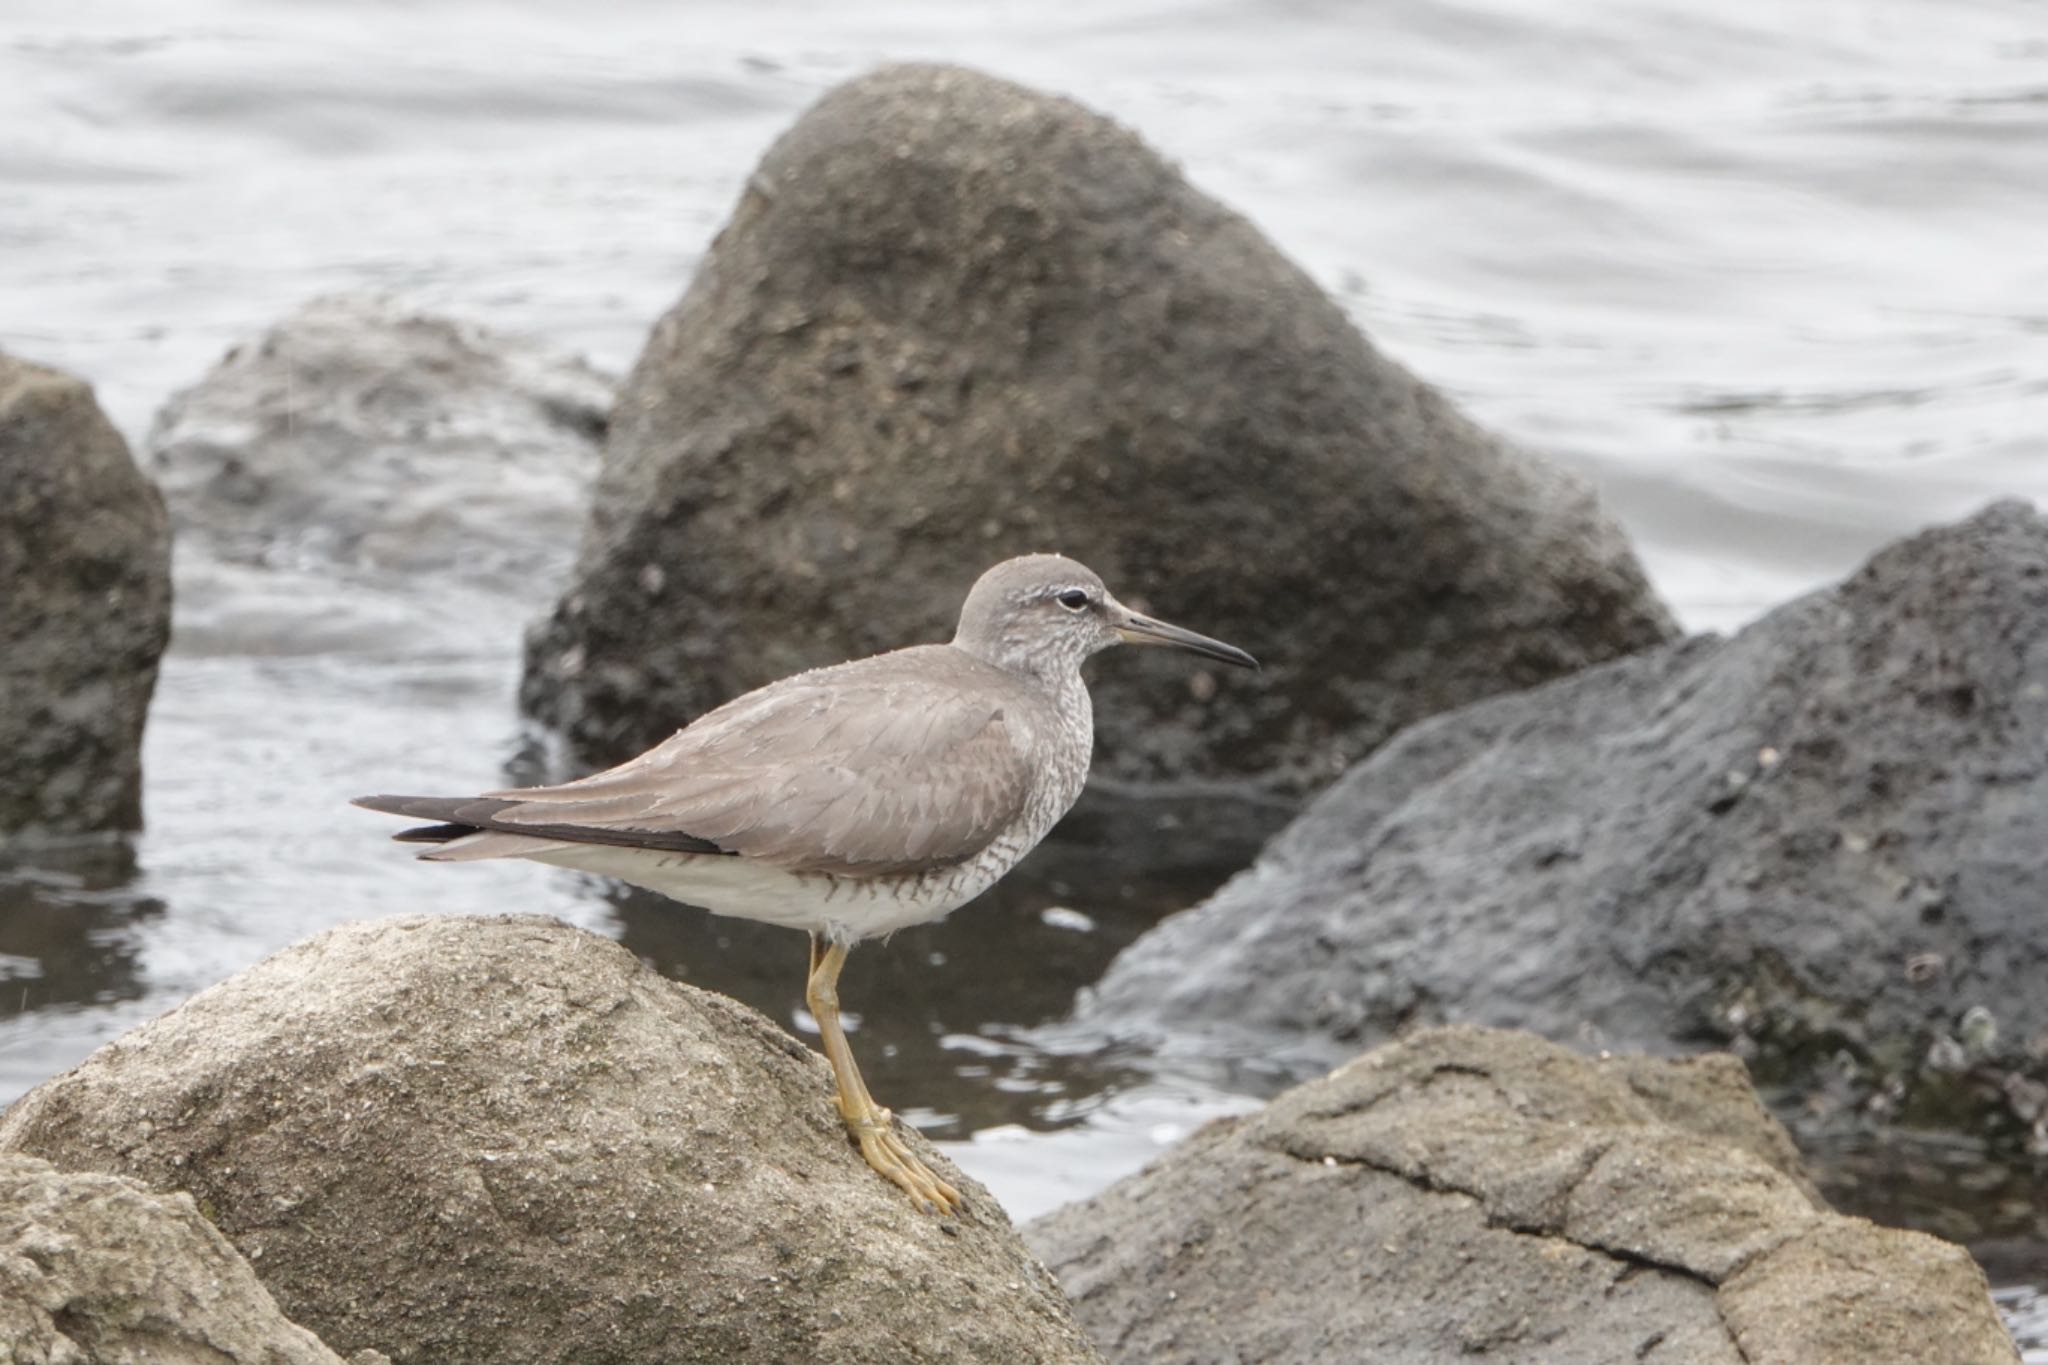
(1143, 630)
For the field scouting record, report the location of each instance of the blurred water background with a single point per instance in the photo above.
(1775, 277)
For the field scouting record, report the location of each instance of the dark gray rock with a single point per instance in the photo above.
(1820, 843)
(1470, 1192)
(506, 1140)
(100, 1270)
(952, 320)
(85, 609)
(360, 433)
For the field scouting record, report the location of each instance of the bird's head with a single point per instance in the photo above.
(1044, 614)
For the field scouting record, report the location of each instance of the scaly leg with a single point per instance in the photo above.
(870, 1124)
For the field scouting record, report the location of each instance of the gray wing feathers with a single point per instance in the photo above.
(862, 770)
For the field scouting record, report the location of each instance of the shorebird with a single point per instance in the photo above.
(849, 801)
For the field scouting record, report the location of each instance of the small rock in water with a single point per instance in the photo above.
(362, 434)
(85, 609)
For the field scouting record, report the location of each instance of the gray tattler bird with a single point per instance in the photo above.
(849, 801)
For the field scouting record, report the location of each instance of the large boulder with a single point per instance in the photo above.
(361, 433)
(953, 320)
(85, 609)
(101, 1270)
(1469, 1192)
(1818, 843)
(505, 1139)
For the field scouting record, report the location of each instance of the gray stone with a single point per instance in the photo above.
(360, 433)
(100, 1270)
(952, 320)
(85, 609)
(1818, 843)
(1474, 1192)
(505, 1139)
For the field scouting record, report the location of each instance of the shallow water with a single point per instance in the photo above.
(2026, 1313)
(1770, 276)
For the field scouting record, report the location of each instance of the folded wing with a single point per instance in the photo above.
(884, 767)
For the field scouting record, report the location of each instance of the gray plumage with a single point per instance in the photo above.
(900, 763)
(849, 800)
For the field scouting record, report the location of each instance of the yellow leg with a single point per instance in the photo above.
(871, 1125)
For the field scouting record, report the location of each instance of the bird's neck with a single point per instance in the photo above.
(1061, 677)
(1055, 672)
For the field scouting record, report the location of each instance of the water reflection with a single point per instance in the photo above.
(69, 946)
(1948, 1184)
(2026, 1316)
(66, 924)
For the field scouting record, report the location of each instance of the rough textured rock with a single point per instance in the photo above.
(362, 433)
(1471, 1192)
(85, 608)
(1818, 843)
(953, 320)
(504, 1139)
(100, 1270)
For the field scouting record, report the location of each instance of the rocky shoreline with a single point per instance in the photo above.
(453, 1139)
(437, 1138)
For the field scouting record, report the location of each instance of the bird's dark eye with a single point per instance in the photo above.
(1073, 599)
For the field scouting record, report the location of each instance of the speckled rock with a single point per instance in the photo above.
(506, 1140)
(85, 609)
(1818, 843)
(953, 320)
(100, 1270)
(1471, 1192)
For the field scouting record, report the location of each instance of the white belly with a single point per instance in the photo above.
(845, 909)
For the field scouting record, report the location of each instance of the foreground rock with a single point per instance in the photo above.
(98, 1268)
(953, 320)
(1470, 1192)
(358, 432)
(85, 609)
(1818, 843)
(505, 1140)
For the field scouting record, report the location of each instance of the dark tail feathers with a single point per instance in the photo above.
(446, 808)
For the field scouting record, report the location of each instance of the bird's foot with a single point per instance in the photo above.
(886, 1152)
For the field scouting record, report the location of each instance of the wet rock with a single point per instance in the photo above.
(98, 1268)
(85, 609)
(361, 433)
(505, 1139)
(953, 320)
(1473, 1192)
(1817, 843)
